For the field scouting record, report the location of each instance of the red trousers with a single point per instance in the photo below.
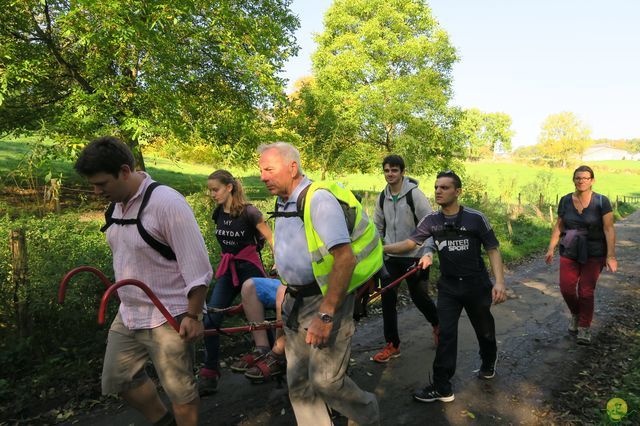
(578, 286)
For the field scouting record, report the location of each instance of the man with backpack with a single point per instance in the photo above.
(459, 234)
(154, 239)
(400, 207)
(325, 248)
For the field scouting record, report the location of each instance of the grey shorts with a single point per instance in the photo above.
(128, 351)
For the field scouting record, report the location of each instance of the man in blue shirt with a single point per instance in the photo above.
(318, 328)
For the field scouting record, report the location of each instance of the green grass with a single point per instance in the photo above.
(510, 179)
(618, 164)
(504, 180)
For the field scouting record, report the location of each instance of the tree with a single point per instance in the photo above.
(384, 69)
(563, 136)
(324, 142)
(486, 134)
(142, 69)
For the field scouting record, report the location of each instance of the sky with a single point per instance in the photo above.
(530, 59)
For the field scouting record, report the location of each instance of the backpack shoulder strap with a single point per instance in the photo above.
(108, 217)
(302, 198)
(381, 200)
(299, 207)
(381, 204)
(412, 206)
(161, 248)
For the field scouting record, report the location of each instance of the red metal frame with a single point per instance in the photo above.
(142, 286)
(111, 289)
(62, 289)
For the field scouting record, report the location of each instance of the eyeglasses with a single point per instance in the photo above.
(581, 179)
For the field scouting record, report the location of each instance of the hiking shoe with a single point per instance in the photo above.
(387, 353)
(436, 335)
(430, 394)
(268, 366)
(247, 360)
(584, 336)
(207, 381)
(573, 324)
(488, 371)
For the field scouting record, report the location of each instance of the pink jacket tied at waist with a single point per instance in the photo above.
(227, 261)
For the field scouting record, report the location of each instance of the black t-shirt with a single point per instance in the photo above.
(235, 233)
(590, 220)
(458, 240)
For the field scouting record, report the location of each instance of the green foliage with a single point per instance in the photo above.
(485, 133)
(143, 69)
(326, 142)
(60, 336)
(562, 137)
(383, 79)
(545, 183)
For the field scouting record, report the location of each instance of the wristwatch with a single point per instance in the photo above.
(198, 317)
(325, 317)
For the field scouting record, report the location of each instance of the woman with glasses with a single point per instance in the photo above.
(587, 240)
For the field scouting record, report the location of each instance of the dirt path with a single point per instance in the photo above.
(535, 355)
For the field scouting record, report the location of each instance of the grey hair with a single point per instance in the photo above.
(286, 151)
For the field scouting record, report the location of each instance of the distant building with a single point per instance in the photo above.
(600, 152)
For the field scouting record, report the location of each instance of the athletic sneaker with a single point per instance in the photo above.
(488, 371)
(387, 353)
(207, 381)
(573, 324)
(430, 394)
(584, 336)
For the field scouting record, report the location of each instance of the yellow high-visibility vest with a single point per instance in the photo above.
(365, 242)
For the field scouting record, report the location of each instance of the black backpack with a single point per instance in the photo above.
(360, 306)
(409, 198)
(349, 212)
(161, 248)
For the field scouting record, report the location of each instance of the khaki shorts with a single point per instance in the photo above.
(128, 351)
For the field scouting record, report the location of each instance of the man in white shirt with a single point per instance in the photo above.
(172, 260)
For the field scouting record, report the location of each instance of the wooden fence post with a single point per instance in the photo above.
(541, 202)
(519, 200)
(551, 214)
(55, 194)
(20, 280)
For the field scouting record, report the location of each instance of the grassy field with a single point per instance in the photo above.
(509, 179)
(504, 180)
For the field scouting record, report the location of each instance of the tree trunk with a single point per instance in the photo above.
(137, 153)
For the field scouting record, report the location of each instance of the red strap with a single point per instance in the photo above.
(263, 367)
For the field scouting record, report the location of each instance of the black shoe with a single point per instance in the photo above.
(488, 371)
(430, 394)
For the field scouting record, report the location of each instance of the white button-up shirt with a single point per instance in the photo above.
(169, 219)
